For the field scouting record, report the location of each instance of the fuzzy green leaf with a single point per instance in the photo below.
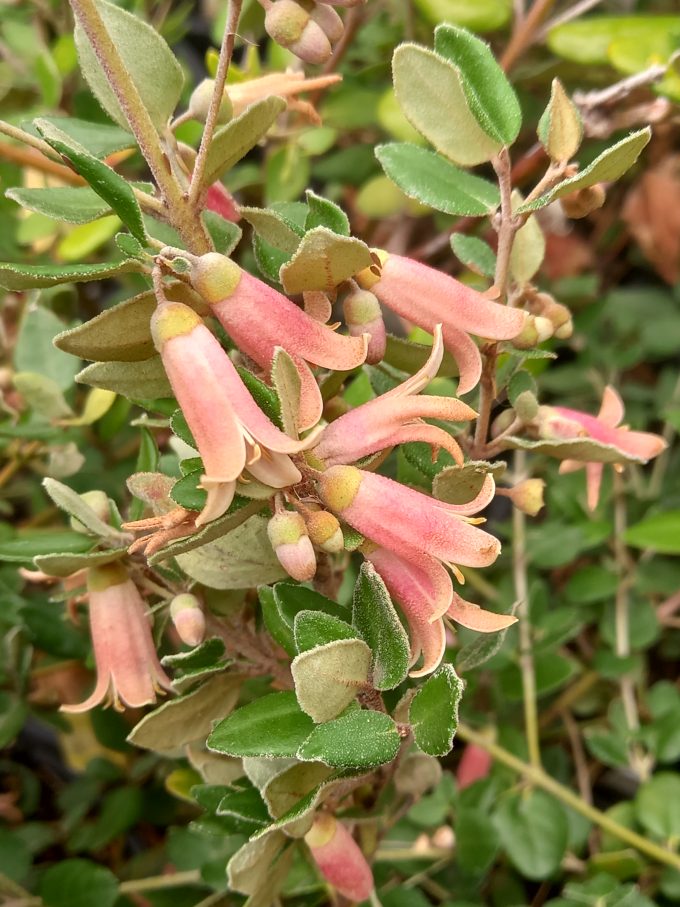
(434, 711)
(375, 617)
(272, 726)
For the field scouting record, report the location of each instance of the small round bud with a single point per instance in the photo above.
(288, 536)
(338, 487)
(363, 315)
(325, 532)
(526, 406)
(584, 201)
(187, 616)
(527, 496)
(329, 21)
(97, 501)
(199, 103)
(559, 315)
(287, 23)
(502, 422)
(536, 329)
(214, 277)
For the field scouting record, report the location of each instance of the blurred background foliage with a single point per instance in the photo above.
(78, 804)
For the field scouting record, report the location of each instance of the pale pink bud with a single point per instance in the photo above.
(329, 21)
(325, 532)
(559, 315)
(97, 501)
(188, 618)
(535, 331)
(527, 495)
(526, 406)
(339, 858)
(221, 201)
(199, 103)
(364, 316)
(288, 536)
(291, 26)
(475, 764)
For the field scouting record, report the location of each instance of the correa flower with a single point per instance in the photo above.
(428, 297)
(415, 535)
(287, 85)
(339, 858)
(571, 424)
(395, 418)
(231, 431)
(258, 319)
(128, 670)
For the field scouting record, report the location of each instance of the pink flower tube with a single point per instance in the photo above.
(258, 319)
(339, 858)
(395, 418)
(128, 670)
(231, 431)
(428, 297)
(565, 423)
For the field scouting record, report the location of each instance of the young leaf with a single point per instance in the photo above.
(362, 740)
(119, 334)
(234, 141)
(72, 204)
(274, 228)
(425, 85)
(315, 628)
(100, 139)
(534, 830)
(323, 260)
(560, 128)
(287, 384)
(324, 213)
(71, 502)
(32, 543)
(328, 677)
(607, 167)
(17, 277)
(149, 62)
(434, 711)
(431, 179)
(189, 718)
(528, 248)
(108, 184)
(144, 380)
(42, 395)
(489, 94)
(374, 616)
(272, 726)
(474, 253)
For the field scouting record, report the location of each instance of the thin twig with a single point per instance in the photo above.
(573, 12)
(226, 52)
(525, 33)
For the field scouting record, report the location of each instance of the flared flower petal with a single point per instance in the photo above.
(128, 670)
(404, 520)
(394, 418)
(258, 319)
(428, 297)
(473, 617)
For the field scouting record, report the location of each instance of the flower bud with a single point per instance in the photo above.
(325, 532)
(535, 331)
(475, 764)
(97, 501)
(363, 315)
(559, 315)
(502, 422)
(526, 406)
(291, 26)
(339, 858)
(288, 536)
(527, 495)
(187, 616)
(199, 103)
(584, 201)
(329, 21)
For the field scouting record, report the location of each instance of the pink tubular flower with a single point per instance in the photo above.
(128, 670)
(414, 536)
(568, 424)
(220, 200)
(231, 431)
(427, 297)
(395, 418)
(258, 319)
(475, 764)
(339, 858)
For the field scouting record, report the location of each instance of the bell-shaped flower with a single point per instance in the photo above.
(424, 591)
(231, 431)
(428, 297)
(572, 424)
(339, 858)
(128, 670)
(395, 418)
(258, 319)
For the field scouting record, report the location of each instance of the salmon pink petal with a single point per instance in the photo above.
(311, 401)
(593, 482)
(420, 379)
(567, 466)
(611, 408)
(220, 496)
(468, 358)
(276, 470)
(473, 617)
(421, 585)
(475, 764)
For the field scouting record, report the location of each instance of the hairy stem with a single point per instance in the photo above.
(540, 779)
(180, 214)
(226, 52)
(526, 655)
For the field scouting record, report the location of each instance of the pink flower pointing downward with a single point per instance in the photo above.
(415, 536)
(339, 858)
(231, 431)
(427, 297)
(395, 418)
(128, 670)
(258, 319)
(634, 446)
